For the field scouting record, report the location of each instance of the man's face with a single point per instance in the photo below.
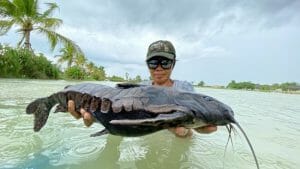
(160, 69)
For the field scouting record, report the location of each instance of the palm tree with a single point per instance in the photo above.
(90, 67)
(26, 16)
(80, 60)
(67, 55)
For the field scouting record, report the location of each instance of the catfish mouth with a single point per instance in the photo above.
(170, 119)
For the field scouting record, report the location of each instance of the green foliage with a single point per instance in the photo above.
(201, 84)
(98, 73)
(290, 86)
(286, 87)
(67, 55)
(10, 65)
(75, 72)
(22, 63)
(241, 85)
(264, 87)
(137, 79)
(116, 79)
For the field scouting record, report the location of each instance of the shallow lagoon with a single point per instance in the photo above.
(271, 120)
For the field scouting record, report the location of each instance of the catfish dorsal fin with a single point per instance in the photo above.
(128, 85)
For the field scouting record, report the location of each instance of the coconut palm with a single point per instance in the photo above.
(67, 55)
(90, 67)
(25, 15)
(80, 60)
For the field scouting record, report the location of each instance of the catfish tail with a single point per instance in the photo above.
(249, 143)
(40, 109)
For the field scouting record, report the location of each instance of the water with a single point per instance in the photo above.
(271, 120)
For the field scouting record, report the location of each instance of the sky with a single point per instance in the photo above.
(216, 41)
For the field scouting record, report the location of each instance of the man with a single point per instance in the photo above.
(160, 59)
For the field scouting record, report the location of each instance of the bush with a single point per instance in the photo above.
(116, 79)
(22, 63)
(241, 85)
(97, 73)
(10, 65)
(75, 72)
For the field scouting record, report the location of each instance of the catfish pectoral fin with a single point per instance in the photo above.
(100, 133)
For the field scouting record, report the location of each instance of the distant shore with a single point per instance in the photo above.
(256, 90)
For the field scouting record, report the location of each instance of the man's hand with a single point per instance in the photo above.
(87, 116)
(185, 132)
(181, 132)
(206, 129)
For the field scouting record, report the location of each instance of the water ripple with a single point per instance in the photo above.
(14, 151)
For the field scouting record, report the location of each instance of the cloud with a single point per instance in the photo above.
(180, 18)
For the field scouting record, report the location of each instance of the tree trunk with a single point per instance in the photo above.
(27, 39)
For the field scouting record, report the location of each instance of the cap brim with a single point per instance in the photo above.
(162, 54)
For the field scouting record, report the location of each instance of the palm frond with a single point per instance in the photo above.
(20, 7)
(49, 22)
(27, 5)
(5, 26)
(49, 12)
(68, 55)
(25, 8)
(80, 60)
(7, 8)
(55, 37)
(34, 8)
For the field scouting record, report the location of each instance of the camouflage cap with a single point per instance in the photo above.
(161, 48)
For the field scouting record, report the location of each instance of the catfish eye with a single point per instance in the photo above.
(207, 98)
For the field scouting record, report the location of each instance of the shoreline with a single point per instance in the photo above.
(256, 90)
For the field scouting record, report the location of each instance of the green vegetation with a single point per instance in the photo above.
(201, 84)
(286, 87)
(86, 73)
(241, 85)
(97, 73)
(75, 72)
(114, 78)
(289, 87)
(22, 63)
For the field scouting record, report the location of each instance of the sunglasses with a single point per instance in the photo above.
(164, 63)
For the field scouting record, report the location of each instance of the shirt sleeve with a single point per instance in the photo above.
(183, 85)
